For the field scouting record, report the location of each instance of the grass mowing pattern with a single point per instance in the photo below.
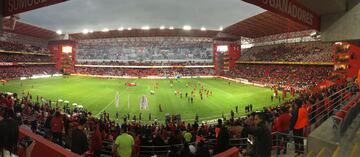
(98, 95)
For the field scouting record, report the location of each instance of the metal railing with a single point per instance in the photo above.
(322, 112)
(281, 143)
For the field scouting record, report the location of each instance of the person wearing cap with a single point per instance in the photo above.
(123, 143)
(298, 123)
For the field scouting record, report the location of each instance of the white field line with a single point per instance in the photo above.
(97, 115)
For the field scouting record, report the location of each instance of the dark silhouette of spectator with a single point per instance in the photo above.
(57, 126)
(79, 142)
(9, 133)
(223, 140)
(263, 142)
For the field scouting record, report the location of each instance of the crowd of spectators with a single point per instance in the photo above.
(297, 76)
(144, 63)
(163, 72)
(11, 57)
(145, 48)
(78, 130)
(298, 52)
(11, 46)
(11, 72)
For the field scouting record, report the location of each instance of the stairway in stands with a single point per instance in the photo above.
(349, 145)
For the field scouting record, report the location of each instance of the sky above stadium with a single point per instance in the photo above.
(76, 15)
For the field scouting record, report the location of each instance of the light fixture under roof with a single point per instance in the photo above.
(162, 27)
(187, 27)
(105, 30)
(171, 27)
(203, 28)
(129, 28)
(59, 32)
(85, 31)
(121, 29)
(145, 27)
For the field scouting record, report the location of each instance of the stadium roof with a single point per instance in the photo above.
(264, 24)
(325, 7)
(29, 30)
(144, 33)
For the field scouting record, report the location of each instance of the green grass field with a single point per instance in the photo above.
(98, 95)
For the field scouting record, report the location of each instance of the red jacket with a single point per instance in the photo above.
(96, 140)
(283, 122)
(57, 124)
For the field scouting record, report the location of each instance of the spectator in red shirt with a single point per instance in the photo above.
(96, 141)
(282, 124)
(57, 125)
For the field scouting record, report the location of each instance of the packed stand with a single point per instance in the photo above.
(132, 63)
(25, 71)
(11, 57)
(145, 49)
(163, 72)
(298, 52)
(78, 130)
(297, 76)
(11, 46)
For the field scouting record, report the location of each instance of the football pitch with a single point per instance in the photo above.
(98, 95)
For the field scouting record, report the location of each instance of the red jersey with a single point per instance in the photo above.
(283, 122)
(57, 124)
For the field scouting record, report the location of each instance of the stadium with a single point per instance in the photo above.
(281, 81)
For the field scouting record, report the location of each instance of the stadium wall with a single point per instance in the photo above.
(234, 55)
(44, 146)
(343, 26)
(354, 61)
(55, 48)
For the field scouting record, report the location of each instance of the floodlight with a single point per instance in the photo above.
(221, 28)
(187, 27)
(171, 27)
(145, 28)
(105, 30)
(129, 29)
(59, 32)
(162, 27)
(121, 29)
(91, 31)
(203, 28)
(338, 43)
(85, 31)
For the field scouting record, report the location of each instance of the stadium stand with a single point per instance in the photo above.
(146, 49)
(10, 57)
(11, 46)
(12, 72)
(145, 72)
(282, 75)
(297, 52)
(132, 63)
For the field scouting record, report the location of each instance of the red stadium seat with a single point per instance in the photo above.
(340, 114)
(346, 108)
